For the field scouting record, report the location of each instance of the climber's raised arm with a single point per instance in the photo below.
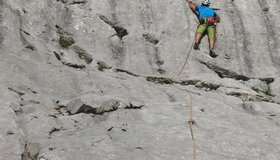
(192, 5)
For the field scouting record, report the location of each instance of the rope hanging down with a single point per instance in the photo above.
(188, 55)
(191, 122)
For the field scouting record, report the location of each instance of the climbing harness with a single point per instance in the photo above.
(208, 21)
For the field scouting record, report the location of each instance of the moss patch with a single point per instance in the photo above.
(65, 41)
(30, 47)
(83, 54)
(102, 66)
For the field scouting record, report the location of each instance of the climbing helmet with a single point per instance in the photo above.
(205, 2)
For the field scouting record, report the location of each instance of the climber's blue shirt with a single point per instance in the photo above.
(205, 12)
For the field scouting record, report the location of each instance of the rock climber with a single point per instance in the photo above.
(208, 20)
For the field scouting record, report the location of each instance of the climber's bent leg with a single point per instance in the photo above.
(211, 36)
(198, 35)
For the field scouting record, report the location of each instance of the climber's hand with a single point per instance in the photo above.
(189, 1)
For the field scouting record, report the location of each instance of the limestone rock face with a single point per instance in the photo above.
(92, 79)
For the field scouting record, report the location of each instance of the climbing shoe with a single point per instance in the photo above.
(196, 46)
(212, 53)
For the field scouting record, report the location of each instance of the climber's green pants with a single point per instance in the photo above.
(210, 30)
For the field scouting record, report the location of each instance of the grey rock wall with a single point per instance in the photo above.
(83, 80)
